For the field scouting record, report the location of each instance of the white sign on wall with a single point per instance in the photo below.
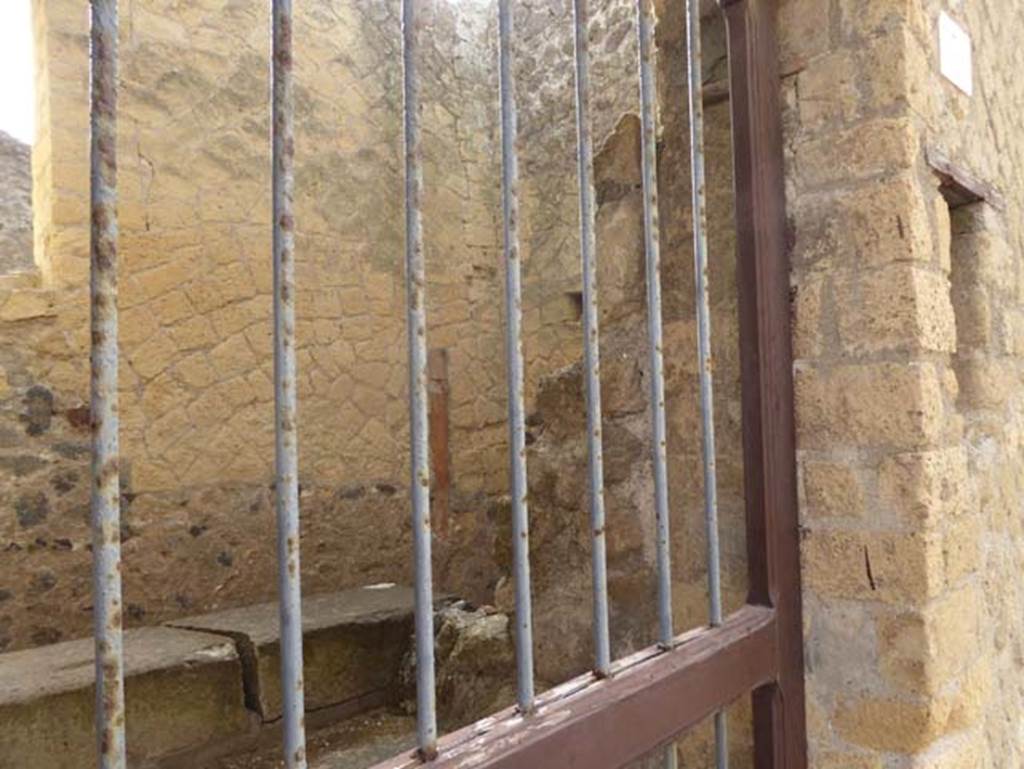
(955, 55)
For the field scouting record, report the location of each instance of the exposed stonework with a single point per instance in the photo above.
(475, 665)
(195, 317)
(196, 393)
(15, 205)
(908, 331)
(906, 378)
(560, 535)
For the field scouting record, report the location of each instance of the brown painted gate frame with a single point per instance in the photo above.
(655, 695)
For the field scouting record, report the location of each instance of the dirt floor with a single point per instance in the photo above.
(356, 743)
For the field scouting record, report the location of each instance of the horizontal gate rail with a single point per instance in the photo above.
(650, 698)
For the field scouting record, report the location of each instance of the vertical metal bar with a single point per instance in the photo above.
(707, 405)
(285, 401)
(415, 280)
(671, 759)
(652, 255)
(106, 494)
(591, 357)
(514, 365)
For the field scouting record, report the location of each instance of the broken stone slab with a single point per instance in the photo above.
(475, 665)
(353, 642)
(183, 691)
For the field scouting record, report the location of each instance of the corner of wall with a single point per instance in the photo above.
(60, 162)
(889, 549)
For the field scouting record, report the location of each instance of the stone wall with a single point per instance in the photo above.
(196, 391)
(907, 312)
(906, 318)
(197, 504)
(560, 535)
(195, 312)
(15, 205)
(987, 255)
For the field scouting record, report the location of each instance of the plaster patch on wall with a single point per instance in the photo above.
(955, 54)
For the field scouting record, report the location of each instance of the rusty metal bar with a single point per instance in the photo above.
(707, 402)
(105, 503)
(514, 351)
(285, 400)
(415, 284)
(591, 343)
(650, 698)
(652, 254)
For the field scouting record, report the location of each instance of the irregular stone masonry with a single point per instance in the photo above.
(197, 503)
(15, 205)
(195, 414)
(907, 326)
(196, 394)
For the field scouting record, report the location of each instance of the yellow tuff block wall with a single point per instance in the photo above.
(907, 310)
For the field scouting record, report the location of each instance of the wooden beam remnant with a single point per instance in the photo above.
(438, 392)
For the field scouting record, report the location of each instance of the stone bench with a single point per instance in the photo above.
(353, 642)
(207, 685)
(183, 691)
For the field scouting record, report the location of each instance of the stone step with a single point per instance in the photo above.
(183, 691)
(353, 644)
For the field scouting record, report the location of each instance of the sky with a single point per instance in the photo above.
(17, 107)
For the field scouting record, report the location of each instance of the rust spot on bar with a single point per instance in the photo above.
(428, 753)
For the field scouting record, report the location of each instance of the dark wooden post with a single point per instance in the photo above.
(773, 543)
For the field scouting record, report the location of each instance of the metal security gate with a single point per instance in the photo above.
(627, 707)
